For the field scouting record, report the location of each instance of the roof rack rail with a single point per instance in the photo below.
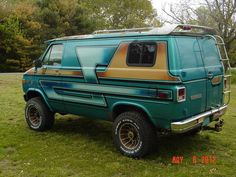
(183, 29)
(123, 30)
(168, 29)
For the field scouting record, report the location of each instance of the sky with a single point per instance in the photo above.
(160, 4)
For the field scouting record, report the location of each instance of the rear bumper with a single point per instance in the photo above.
(197, 121)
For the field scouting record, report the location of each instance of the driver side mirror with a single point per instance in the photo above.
(38, 63)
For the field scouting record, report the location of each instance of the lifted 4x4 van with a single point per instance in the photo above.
(170, 79)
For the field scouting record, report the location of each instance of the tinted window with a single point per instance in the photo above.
(142, 54)
(54, 55)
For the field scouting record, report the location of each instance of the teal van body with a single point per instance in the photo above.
(179, 86)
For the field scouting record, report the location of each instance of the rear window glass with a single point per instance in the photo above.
(210, 52)
(189, 52)
(142, 54)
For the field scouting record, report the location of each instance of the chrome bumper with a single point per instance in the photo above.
(197, 121)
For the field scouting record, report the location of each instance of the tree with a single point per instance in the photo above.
(223, 12)
(13, 46)
(113, 14)
(179, 12)
(62, 17)
(219, 14)
(26, 13)
(4, 9)
(26, 24)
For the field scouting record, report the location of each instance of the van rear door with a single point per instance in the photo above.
(214, 72)
(192, 72)
(199, 66)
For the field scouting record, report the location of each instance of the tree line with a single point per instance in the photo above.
(26, 24)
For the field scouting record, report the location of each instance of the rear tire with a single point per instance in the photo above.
(133, 135)
(38, 116)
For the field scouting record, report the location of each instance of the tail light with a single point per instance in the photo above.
(164, 94)
(181, 94)
(187, 28)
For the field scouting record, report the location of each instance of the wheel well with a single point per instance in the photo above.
(32, 94)
(123, 108)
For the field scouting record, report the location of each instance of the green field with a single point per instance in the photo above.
(233, 78)
(83, 147)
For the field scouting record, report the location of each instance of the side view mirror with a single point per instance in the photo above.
(38, 63)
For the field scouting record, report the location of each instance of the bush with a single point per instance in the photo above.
(233, 78)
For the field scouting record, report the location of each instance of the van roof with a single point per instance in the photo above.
(170, 29)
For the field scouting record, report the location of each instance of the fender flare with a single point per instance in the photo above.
(42, 95)
(140, 107)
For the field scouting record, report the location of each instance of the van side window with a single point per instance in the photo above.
(54, 55)
(141, 54)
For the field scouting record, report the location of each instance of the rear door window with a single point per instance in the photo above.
(189, 58)
(210, 52)
(189, 52)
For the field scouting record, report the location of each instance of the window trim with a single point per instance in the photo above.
(141, 64)
(49, 49)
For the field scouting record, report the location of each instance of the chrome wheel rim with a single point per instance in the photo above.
(129, 136)
(33, 116)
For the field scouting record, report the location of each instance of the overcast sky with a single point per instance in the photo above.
(160, 4)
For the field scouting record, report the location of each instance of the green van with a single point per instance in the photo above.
(170, 79)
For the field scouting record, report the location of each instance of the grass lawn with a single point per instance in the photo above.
(83, 147)
(233, 78)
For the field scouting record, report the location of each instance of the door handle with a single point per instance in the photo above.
(210, 75)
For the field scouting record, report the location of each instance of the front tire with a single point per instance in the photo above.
(37, 115)
(133, 135)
